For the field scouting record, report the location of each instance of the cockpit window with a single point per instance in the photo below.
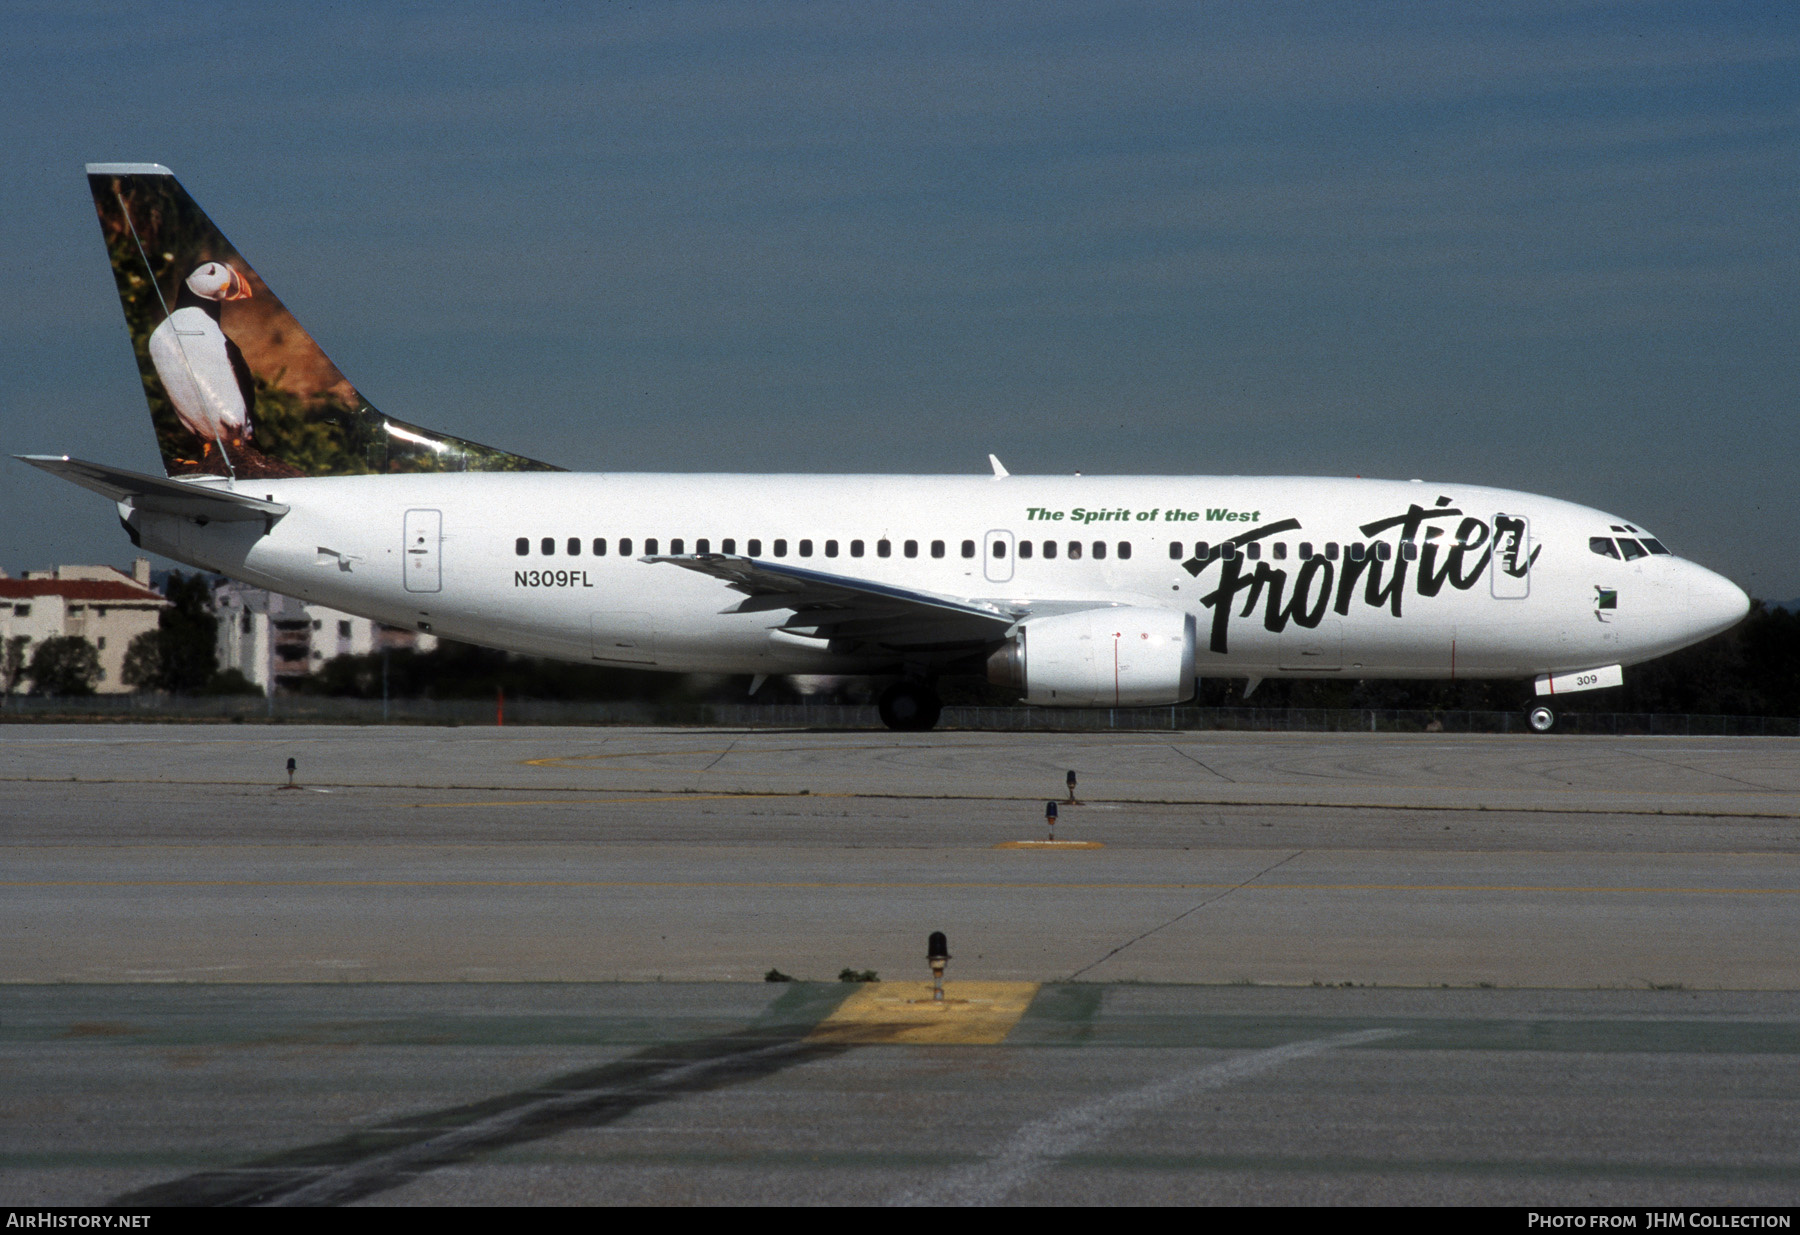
(1655, 546)
(1603, 546)
(1632, 548)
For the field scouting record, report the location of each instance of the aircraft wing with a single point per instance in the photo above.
(157, 494)
(829, 606)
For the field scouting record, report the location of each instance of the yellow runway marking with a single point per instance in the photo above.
(820, 885)
(1049, 844)
(666, 797)
(568, 761)
(575, 762)
(972, 1014)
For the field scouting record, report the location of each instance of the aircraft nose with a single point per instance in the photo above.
(1715, 603)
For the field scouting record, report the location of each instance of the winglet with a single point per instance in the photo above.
(1000, 472)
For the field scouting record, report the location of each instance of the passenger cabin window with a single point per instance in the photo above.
(1306, 550)
(754, 548)
(781, 548)
(1228, 551)
(1409, 549)
(1202, 551)
(1633, 550)
(1331, 551)
(806, 548)
(1383, 550)
(1253, 551)
(884, 548)
(1099, 550)
(1074, 550)
(999, 548)
(522, 546)
(728, 545)
(675, 545)
(624, 546)
(1279, 552)
(703, 545)
(599, 546)
(1124, 549)
(547, 546)
(910, 548)
(574, 546)
(1049, 550)
(1024, 548)
(968, 548)
(856, 548)
(937, 548)
(1358, 551)
(1174, 550)
(831, 548)
(650, 545)
(1603, 545)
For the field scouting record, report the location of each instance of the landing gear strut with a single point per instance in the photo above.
(911, 707)
(1542, 720)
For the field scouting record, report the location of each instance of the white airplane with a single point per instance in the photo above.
(1077, 590)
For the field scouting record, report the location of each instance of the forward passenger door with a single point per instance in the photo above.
(1509, 572)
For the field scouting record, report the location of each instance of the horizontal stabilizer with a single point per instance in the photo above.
(155, 494)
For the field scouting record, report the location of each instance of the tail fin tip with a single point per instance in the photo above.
(128, 169)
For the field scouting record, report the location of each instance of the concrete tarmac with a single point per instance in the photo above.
(1577, 957)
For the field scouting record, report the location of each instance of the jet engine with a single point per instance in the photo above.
(1127, 656)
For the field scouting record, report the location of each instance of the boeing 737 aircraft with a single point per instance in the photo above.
(1076, 590)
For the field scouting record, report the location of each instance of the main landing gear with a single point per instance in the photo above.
(1541, 720)
(911, 707)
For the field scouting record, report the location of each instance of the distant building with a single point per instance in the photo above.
(273, 640)
(101, 604)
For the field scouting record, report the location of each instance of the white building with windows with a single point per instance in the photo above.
(274, 639)
(102, 604)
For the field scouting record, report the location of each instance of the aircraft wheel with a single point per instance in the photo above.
(910, 707)
(1543, 720)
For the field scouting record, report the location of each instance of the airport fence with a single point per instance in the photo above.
(321, 710)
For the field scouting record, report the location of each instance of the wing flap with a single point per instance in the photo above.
(841, 607)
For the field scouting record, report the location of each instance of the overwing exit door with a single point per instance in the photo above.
(997, 555)
(424, 532)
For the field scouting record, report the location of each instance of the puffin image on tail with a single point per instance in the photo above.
(207, 378)
(202, 370)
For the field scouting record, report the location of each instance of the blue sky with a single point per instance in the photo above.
(1545, 246)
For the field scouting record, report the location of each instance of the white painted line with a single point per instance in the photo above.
(1041, 1143)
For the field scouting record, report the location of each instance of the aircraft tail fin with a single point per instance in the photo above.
(236, 386)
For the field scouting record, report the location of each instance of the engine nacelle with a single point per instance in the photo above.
(1100, 658)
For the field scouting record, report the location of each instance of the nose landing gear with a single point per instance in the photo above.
(910, 707)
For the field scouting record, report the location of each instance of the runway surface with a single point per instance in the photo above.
(1387, 967)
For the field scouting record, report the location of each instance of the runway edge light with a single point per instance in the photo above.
(937, 955)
